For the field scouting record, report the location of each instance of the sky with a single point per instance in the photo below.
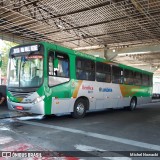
(1, 42)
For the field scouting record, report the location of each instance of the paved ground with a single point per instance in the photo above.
(106, 134)
(5, 113)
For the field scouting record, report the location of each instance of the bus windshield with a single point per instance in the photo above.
(26, 71)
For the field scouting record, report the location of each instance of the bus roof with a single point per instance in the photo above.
(88, 56)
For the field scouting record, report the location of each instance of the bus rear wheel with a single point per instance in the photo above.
(133, 104)
(79, 109)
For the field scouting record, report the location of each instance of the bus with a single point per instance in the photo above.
(45, 78)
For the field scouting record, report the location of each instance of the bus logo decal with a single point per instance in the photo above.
(105, 89)
(87, 88)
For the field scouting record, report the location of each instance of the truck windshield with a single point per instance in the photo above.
(25, 71)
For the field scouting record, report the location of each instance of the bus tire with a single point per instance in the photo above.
(79, 108)
(133, 104)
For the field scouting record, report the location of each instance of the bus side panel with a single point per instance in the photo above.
(60, 105)
(101, 95)
(61, 98)
(143, 94)
(82, 88)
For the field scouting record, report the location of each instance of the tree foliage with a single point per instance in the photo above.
(4, 49)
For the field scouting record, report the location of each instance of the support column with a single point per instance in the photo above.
(109, 55)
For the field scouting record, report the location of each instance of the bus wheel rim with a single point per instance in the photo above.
(133, 104)
(80, 108)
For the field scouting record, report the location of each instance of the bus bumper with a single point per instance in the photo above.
(37, 108)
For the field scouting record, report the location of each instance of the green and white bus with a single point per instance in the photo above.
(47, 79)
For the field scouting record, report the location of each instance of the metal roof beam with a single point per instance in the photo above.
(99, 23)
(26, 4)
(63, 21)
(90, 25)
(84, 9)
(113, 33)
(100, 35)
(13, 38)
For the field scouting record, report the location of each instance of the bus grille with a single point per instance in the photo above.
(20, 95)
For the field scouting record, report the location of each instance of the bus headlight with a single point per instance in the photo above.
(38, 99)
(8, 99)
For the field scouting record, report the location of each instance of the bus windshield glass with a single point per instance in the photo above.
(26, 71)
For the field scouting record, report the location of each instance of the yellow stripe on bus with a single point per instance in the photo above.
(75, 93)
(129, 90)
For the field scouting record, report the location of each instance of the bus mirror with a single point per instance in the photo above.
(56, 63)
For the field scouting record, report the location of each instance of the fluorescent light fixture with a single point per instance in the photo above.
(60, 26)
(96, 55)
(140, 64)
(88, 47)
(134, 53)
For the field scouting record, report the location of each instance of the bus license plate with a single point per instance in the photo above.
(19, 108)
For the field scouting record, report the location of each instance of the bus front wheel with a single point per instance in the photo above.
(79, 108)
(133, 104)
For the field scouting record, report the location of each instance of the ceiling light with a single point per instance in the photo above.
(88, 47)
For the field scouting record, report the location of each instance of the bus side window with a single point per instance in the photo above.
(137, 78)
(150, 80)
(65, 68)
(58, 68)
(85, 69)
(103, 72)
(117, 75)
(50, 66)
(128, 77)
(61, 65)
(145, 80)
(83, 75)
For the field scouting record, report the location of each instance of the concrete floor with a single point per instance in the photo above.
(108, 134)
